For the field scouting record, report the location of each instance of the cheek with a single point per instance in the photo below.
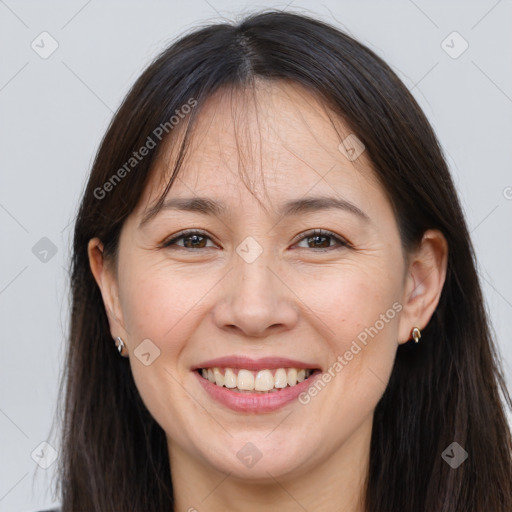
(358, 312)
(160, 306)
(350, 300)
(159, 302)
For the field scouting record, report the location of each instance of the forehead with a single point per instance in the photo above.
(277, 138)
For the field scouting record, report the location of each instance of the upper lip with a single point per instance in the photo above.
(254, 364)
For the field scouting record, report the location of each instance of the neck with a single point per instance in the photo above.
(334, 484)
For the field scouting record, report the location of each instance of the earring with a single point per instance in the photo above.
(416, 334)
(120, 345)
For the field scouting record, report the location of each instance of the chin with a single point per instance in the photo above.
(260, 460)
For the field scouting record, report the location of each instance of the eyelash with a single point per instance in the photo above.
(342, 243)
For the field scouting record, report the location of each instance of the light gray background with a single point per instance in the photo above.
(54, 112)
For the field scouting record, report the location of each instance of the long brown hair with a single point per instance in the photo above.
(449, 388)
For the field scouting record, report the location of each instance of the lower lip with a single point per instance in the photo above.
(256, 402)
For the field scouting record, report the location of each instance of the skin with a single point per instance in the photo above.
(294, 300)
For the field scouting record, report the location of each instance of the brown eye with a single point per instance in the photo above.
(321, 239)
(191, 240)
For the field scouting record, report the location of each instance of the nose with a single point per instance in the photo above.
(256, 300)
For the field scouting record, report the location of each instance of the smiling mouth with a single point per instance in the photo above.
(241, 380)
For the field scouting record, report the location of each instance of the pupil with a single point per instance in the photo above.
(195, 240)
(317, 237)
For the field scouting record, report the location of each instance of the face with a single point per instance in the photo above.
(274, 292)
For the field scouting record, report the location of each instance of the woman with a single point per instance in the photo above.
(271, 238)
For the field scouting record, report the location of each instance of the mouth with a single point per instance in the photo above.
(252, 386)
(264, 381)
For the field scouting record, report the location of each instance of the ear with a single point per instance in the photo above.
(107, 283)
(424, 283)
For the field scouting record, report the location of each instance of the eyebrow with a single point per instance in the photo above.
(206, 206)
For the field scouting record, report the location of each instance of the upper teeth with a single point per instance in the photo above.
(263, 380)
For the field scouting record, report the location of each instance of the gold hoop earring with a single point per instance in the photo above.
(416, 334)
